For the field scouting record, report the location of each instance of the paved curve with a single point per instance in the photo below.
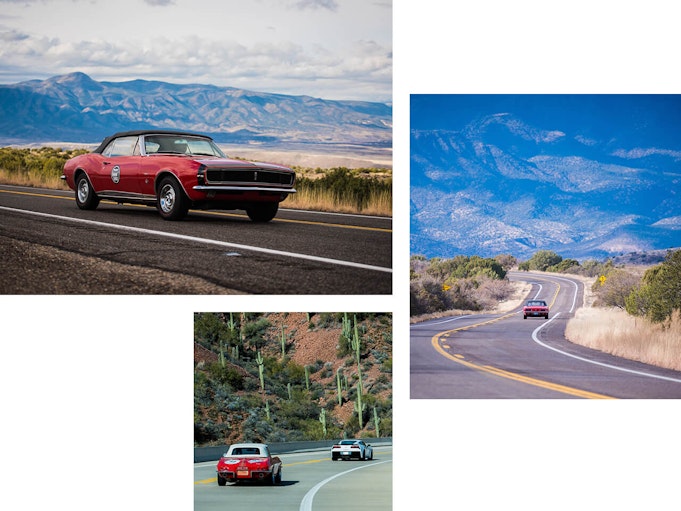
(504, 356)
(297, 253)
(311, 482)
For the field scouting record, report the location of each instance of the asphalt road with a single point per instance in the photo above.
(310, 482)
(505, 356)
(209, 252)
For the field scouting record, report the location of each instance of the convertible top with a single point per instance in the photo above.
(135, 133)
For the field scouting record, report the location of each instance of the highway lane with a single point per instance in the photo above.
(505, 356)
(297, 253)
(310, 482)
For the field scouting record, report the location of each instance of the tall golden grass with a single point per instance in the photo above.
(322, 200)
(616, 332)
(32, 179)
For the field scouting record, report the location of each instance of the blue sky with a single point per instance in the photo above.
(334, 49)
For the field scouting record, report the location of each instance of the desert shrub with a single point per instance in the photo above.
(615, 287)
(226, 375)
(659, 294)
(542, 260)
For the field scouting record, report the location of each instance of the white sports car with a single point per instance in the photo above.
(349, 449)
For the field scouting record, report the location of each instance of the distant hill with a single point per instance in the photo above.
(76, 108)
(508, 182)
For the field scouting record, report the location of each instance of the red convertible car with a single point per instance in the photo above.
(249, 462)
(175, 171)
(537, 308)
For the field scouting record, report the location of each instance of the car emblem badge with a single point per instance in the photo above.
(116, 174)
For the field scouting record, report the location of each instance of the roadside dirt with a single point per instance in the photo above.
(30, 268)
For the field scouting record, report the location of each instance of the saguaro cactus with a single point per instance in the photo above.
(322, 419)
(283, 342)
(377, 421)
(357, 347)
(261, 368)
(339, 386)
(347, 327)
(359, 408)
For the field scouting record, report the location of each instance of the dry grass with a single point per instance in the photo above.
(321, 201)
(616, 332)
(31, 180)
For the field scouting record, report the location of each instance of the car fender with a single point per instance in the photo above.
(166, 173)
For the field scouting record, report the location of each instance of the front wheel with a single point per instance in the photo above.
(85, 195)
(263, 212)
(221, 480)
(170, 200)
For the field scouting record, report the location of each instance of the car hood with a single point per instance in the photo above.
(239, 164)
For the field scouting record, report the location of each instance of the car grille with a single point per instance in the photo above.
(224, 176)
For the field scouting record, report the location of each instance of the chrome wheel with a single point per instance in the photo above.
(85, 195)
(166, 198)
(83, 190)
(171, 201)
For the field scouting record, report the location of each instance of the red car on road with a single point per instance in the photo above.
(249, 462)
(176, 171)
(536, 308)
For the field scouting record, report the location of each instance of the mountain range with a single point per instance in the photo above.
(503, 178)
(76, 108)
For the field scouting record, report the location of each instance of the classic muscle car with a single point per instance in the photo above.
(176, 171)
(249, 462)
(536, 308)
(348, 449)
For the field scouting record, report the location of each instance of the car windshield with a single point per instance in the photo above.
(536, 303)
(178, 144)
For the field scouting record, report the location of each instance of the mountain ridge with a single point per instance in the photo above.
(76, 108)
(501, 184)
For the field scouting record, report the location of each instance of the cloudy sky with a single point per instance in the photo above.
(333, 49)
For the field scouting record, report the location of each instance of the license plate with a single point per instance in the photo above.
(346, 453)
(241, 473)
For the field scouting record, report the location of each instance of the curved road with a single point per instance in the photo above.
(310, 482)
(505, 356)
(298, 252)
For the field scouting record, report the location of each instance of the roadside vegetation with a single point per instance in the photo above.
(364, 191)
(289, 377)
(35, 167)
(636, 313)
(462, 283)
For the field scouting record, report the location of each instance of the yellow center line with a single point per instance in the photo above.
(216, 213)
(460, 359)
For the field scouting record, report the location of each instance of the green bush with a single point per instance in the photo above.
(659, 294)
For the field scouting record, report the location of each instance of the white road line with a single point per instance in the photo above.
(306, 503)
(203, 240)
(428, 324)
(623, 369)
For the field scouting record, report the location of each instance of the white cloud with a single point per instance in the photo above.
(640, 152)
(340, 49)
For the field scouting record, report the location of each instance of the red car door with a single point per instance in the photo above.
(119, 168)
